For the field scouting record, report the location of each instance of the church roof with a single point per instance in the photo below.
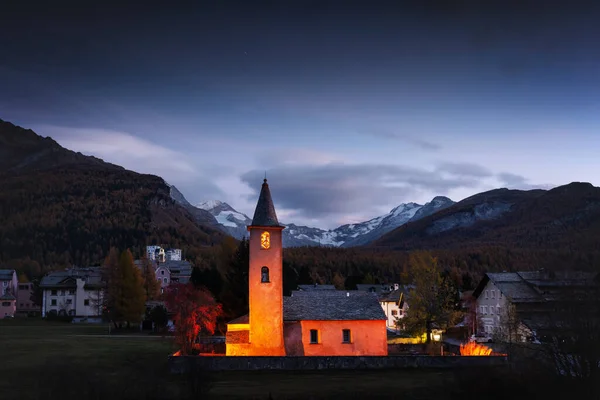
(264, 215)
(332, 305)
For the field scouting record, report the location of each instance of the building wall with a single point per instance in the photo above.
(9, 285)
(73, 301)
(8, 308)
(389, 307)
(24, 303)
(491, 305)
(266, 299)
(367, 338)
(163, 275)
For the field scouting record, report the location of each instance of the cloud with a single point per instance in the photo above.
(514, 181)
(332, 191)
(298, 156)
(464, 169)
(386, 134)
(140, 155)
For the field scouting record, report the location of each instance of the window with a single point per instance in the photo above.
(69, 301)
(264, 275)
(54, 292)
(493, 294)
(23, 287)
(265, 240)
(5, 283)
(498, 310)
(53, 302)
(485, 309)
(61, 293)
(394, 312)
(487, 293)
(492, 310)
(71, 291)
(162, 272)
(165, 280)
(86, 302)
(6, 304)
(346, 335)
(314, 336)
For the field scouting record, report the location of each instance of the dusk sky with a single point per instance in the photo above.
(350, 110)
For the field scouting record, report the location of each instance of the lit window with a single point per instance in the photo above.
(264, 275)
(314, 336)
(346, 335)
(265, 240)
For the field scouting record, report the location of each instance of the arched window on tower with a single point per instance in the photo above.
(264, 275)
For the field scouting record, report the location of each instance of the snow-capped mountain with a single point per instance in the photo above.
(233, 222)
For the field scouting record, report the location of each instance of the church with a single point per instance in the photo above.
(312, 323)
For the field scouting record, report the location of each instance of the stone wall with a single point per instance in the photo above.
(183, 364)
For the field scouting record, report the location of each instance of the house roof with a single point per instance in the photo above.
(536, 286)
(7, 297)
(331, 305)
(6, 274)
(244, 319)
(92, 277)
(264, 214)
(316, 287)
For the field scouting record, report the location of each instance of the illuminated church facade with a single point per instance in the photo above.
(314, 323)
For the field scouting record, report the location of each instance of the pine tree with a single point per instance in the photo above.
(151, 284)
(133, 300)
(113, 287)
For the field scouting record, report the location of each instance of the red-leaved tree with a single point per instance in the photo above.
(195, 311)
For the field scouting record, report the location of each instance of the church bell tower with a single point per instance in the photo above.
(265, 279)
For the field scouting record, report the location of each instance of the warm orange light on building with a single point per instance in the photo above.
(177, 353)
(474, 349)
(265, 240)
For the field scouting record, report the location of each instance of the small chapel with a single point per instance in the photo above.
(312, 323)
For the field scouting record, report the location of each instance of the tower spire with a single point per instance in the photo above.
(265, 215)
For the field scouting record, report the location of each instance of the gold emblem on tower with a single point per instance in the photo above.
(265, 240)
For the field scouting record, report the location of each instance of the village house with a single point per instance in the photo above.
(392, 298)
(308, 323)
(169, 271)
(26, 306)
(75, 292)
(8, 281)
(8, 292)
(525, 301)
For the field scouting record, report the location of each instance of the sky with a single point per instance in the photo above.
(350, 108)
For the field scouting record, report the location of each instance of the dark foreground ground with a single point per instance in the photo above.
(42, 360)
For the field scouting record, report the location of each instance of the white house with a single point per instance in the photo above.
(524, 301)
(157, 253)
(392, 298)
(76, 292)
(173, 254)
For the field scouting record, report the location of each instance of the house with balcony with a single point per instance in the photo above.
(75, 292)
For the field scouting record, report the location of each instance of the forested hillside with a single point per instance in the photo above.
(60, 208)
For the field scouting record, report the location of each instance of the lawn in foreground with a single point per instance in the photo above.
(42, 360)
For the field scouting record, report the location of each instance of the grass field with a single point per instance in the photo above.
(42, 360)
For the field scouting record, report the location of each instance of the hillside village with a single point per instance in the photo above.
(523, 307)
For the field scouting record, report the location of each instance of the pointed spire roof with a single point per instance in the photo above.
(264, 215)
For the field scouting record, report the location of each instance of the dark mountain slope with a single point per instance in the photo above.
(59, 207)
(566, 217)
